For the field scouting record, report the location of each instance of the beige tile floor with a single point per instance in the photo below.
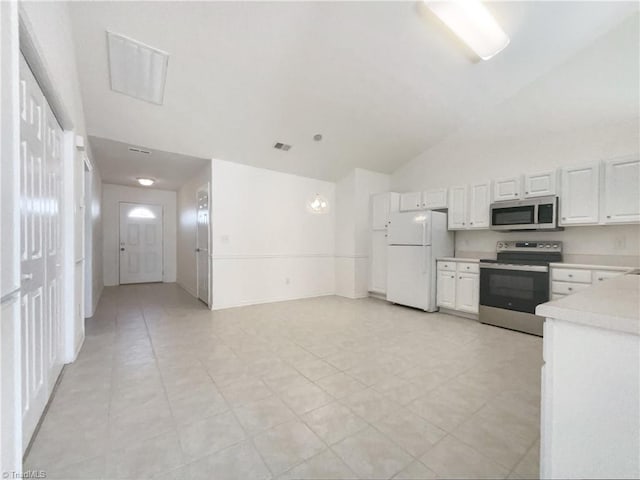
(324, 388)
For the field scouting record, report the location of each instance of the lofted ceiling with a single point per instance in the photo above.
(381, 81)
(120, 166)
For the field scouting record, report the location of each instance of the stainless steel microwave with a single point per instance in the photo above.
(531, 214)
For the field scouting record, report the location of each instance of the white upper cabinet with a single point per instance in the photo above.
(540, 184)
(381, 205)
(457, 208)
(434, 199)
(479, 199)
(506, 189)
(410, 201)
(622, 190)
(579, 197)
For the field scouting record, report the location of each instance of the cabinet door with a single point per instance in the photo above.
(434, 199)
(622, 190)
(446, 289)
(479, 205)
(457, 216)
(380, 206)
(540, 184)
(467, 292)
(579, 196)
(410, 201)
(506, 189)
(378, 262)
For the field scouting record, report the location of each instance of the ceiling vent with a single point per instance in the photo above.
(282, 146)
(139, 150)
(136, 69)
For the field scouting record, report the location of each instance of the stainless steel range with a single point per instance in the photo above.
(513, 285)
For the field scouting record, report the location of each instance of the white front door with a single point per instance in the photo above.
(140, 243)
(40, 249)
(202, 244)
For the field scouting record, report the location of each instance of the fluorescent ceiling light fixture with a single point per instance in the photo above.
(136, 69)
(141, 212)
(145, 182)
(473, 23)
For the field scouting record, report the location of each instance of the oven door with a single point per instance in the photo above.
(514, 287)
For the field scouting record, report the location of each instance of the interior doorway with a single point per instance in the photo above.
(141, 243)
(202, 243)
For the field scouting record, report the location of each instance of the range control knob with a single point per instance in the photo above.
(548, 245)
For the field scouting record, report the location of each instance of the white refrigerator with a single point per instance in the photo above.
(415, 241)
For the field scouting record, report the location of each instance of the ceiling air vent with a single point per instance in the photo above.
(139, 150)
(282, 146)
(137, 70)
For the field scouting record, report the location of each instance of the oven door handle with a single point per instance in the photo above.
(521, 268)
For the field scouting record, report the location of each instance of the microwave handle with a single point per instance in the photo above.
(535, 214)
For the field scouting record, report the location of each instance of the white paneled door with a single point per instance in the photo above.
(40, 249)
(140, 243)
(202, 244)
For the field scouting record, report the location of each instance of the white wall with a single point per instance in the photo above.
(266, 245)
(112, 195)
(187, 275)
(353, 230)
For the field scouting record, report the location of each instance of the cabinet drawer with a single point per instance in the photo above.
(448, 266)
(571, 275)
(599, 276)
(468, 267)
(567, 288)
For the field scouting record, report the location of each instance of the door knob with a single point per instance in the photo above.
(122, 249)
(197, 250)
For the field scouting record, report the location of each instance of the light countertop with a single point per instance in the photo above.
(459, 259)
(581, 266)
(611, 305)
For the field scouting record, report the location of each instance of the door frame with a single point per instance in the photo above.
(120, 233)
(204, 188)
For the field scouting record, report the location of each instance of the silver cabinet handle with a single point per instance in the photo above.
(570, 289)
(570, 275)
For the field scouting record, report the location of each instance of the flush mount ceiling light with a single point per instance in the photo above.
(473, 23)
(137, 70)
(145, 182)
(318, 204)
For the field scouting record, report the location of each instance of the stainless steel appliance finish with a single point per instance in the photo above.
(531, 214)
(522, 322)
(513, 285)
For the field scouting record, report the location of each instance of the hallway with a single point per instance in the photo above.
(318, 388)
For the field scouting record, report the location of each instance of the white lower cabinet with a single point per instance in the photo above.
(458, 287)
(569, 279)
(378, 262)
(467, 291)
(446, 289)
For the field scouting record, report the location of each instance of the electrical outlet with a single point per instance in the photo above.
(620, 243)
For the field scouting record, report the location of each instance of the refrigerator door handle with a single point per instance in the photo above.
(424, 259)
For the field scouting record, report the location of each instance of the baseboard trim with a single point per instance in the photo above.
(457, 313)
(270, 300)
